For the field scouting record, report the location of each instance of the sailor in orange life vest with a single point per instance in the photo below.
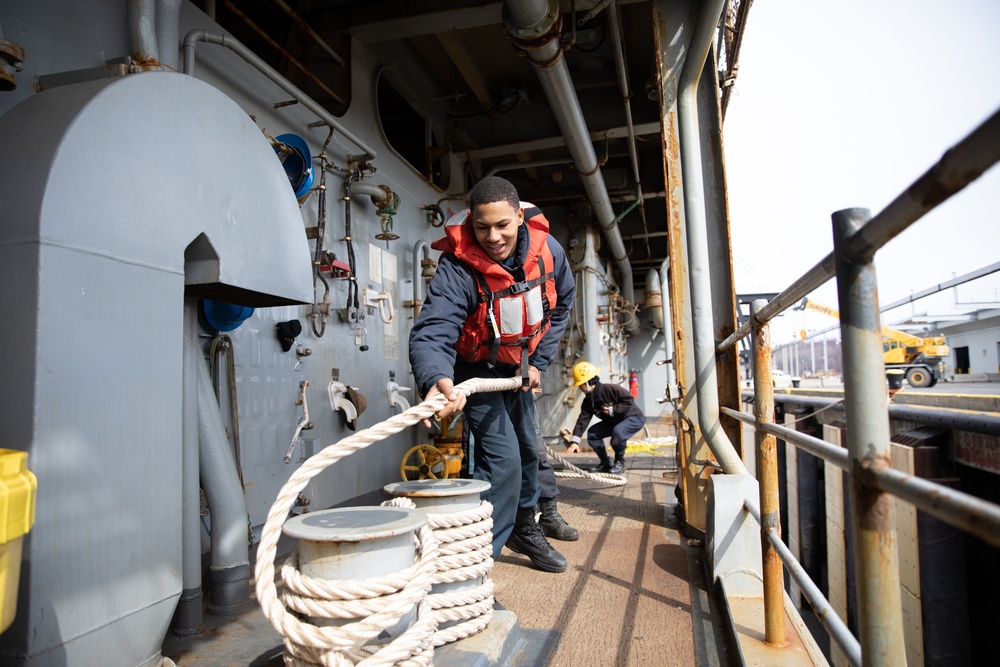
(497, 307)
(620, 417)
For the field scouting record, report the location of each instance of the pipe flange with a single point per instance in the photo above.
(534, 36)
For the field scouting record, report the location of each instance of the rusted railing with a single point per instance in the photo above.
(857, 237)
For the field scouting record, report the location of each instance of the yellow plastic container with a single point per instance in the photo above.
(17, 516)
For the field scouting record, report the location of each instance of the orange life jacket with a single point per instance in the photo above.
(511, 317)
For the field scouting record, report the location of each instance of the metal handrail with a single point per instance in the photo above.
(957, 168)
(828, 618)
(956, 508)
(815, 446)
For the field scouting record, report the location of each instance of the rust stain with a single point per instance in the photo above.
(141, 63)
(876, 507)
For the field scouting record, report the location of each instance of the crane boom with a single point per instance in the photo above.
(921, 358)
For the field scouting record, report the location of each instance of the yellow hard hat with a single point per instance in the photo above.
(584, 371)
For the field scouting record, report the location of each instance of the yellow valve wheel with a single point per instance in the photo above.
(423, 462)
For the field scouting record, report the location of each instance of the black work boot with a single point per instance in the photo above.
(605, 464)
(618, 468)
(553, 525)
(527, 539)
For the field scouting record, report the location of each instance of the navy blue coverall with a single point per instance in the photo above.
(502, 423)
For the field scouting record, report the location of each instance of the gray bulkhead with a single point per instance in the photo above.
(114, 180)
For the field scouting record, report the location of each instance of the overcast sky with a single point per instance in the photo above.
(843, 104)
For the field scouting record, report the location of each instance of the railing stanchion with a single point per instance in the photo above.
(767, 476)
(876, 564)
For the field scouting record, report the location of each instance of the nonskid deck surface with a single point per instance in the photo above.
(633, 593)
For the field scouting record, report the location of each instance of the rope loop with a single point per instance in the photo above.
(380, 603)
(602, 477)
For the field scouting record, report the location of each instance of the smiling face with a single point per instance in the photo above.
(496, 225)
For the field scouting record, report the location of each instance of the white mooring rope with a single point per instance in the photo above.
(465, 553)
(602, 477)
(387, 598)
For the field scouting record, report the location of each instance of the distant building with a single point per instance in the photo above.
(975, 343)
(974, 339)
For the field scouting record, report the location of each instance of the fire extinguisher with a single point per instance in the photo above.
(633, 384)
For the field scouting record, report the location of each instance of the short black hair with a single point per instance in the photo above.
(594, 380)
(493, 189)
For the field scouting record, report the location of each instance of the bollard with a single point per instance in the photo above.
(357, 543)
(443, 496)
(895, 378)
(462, 592)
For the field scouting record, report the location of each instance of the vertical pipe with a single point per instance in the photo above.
(168, 30)
(592, 351)
(188, 617)
(619, 54)
(767, 475)
(877, 571)
(668, 329)
(141, 17)
(230, 563)
(696, 224)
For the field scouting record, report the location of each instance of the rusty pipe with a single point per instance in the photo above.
(875, 553)
(301, 22)
(292, 60)
(695, 224)
(141, 17)
(767, 475)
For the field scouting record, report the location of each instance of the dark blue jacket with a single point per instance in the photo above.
(615, 395)
(452, 296)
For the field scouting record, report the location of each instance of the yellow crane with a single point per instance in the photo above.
(922, 359)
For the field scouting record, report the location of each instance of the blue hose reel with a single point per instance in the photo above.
(297, 164)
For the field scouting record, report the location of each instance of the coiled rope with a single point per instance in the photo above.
(465, 541)
(344, 646)
(602, 477)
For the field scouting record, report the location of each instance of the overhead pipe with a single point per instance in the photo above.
(229, 568)
(190, 45)
(535, 27)
(141, 17)
(695, 223)
(619, 54)
(509, 166)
